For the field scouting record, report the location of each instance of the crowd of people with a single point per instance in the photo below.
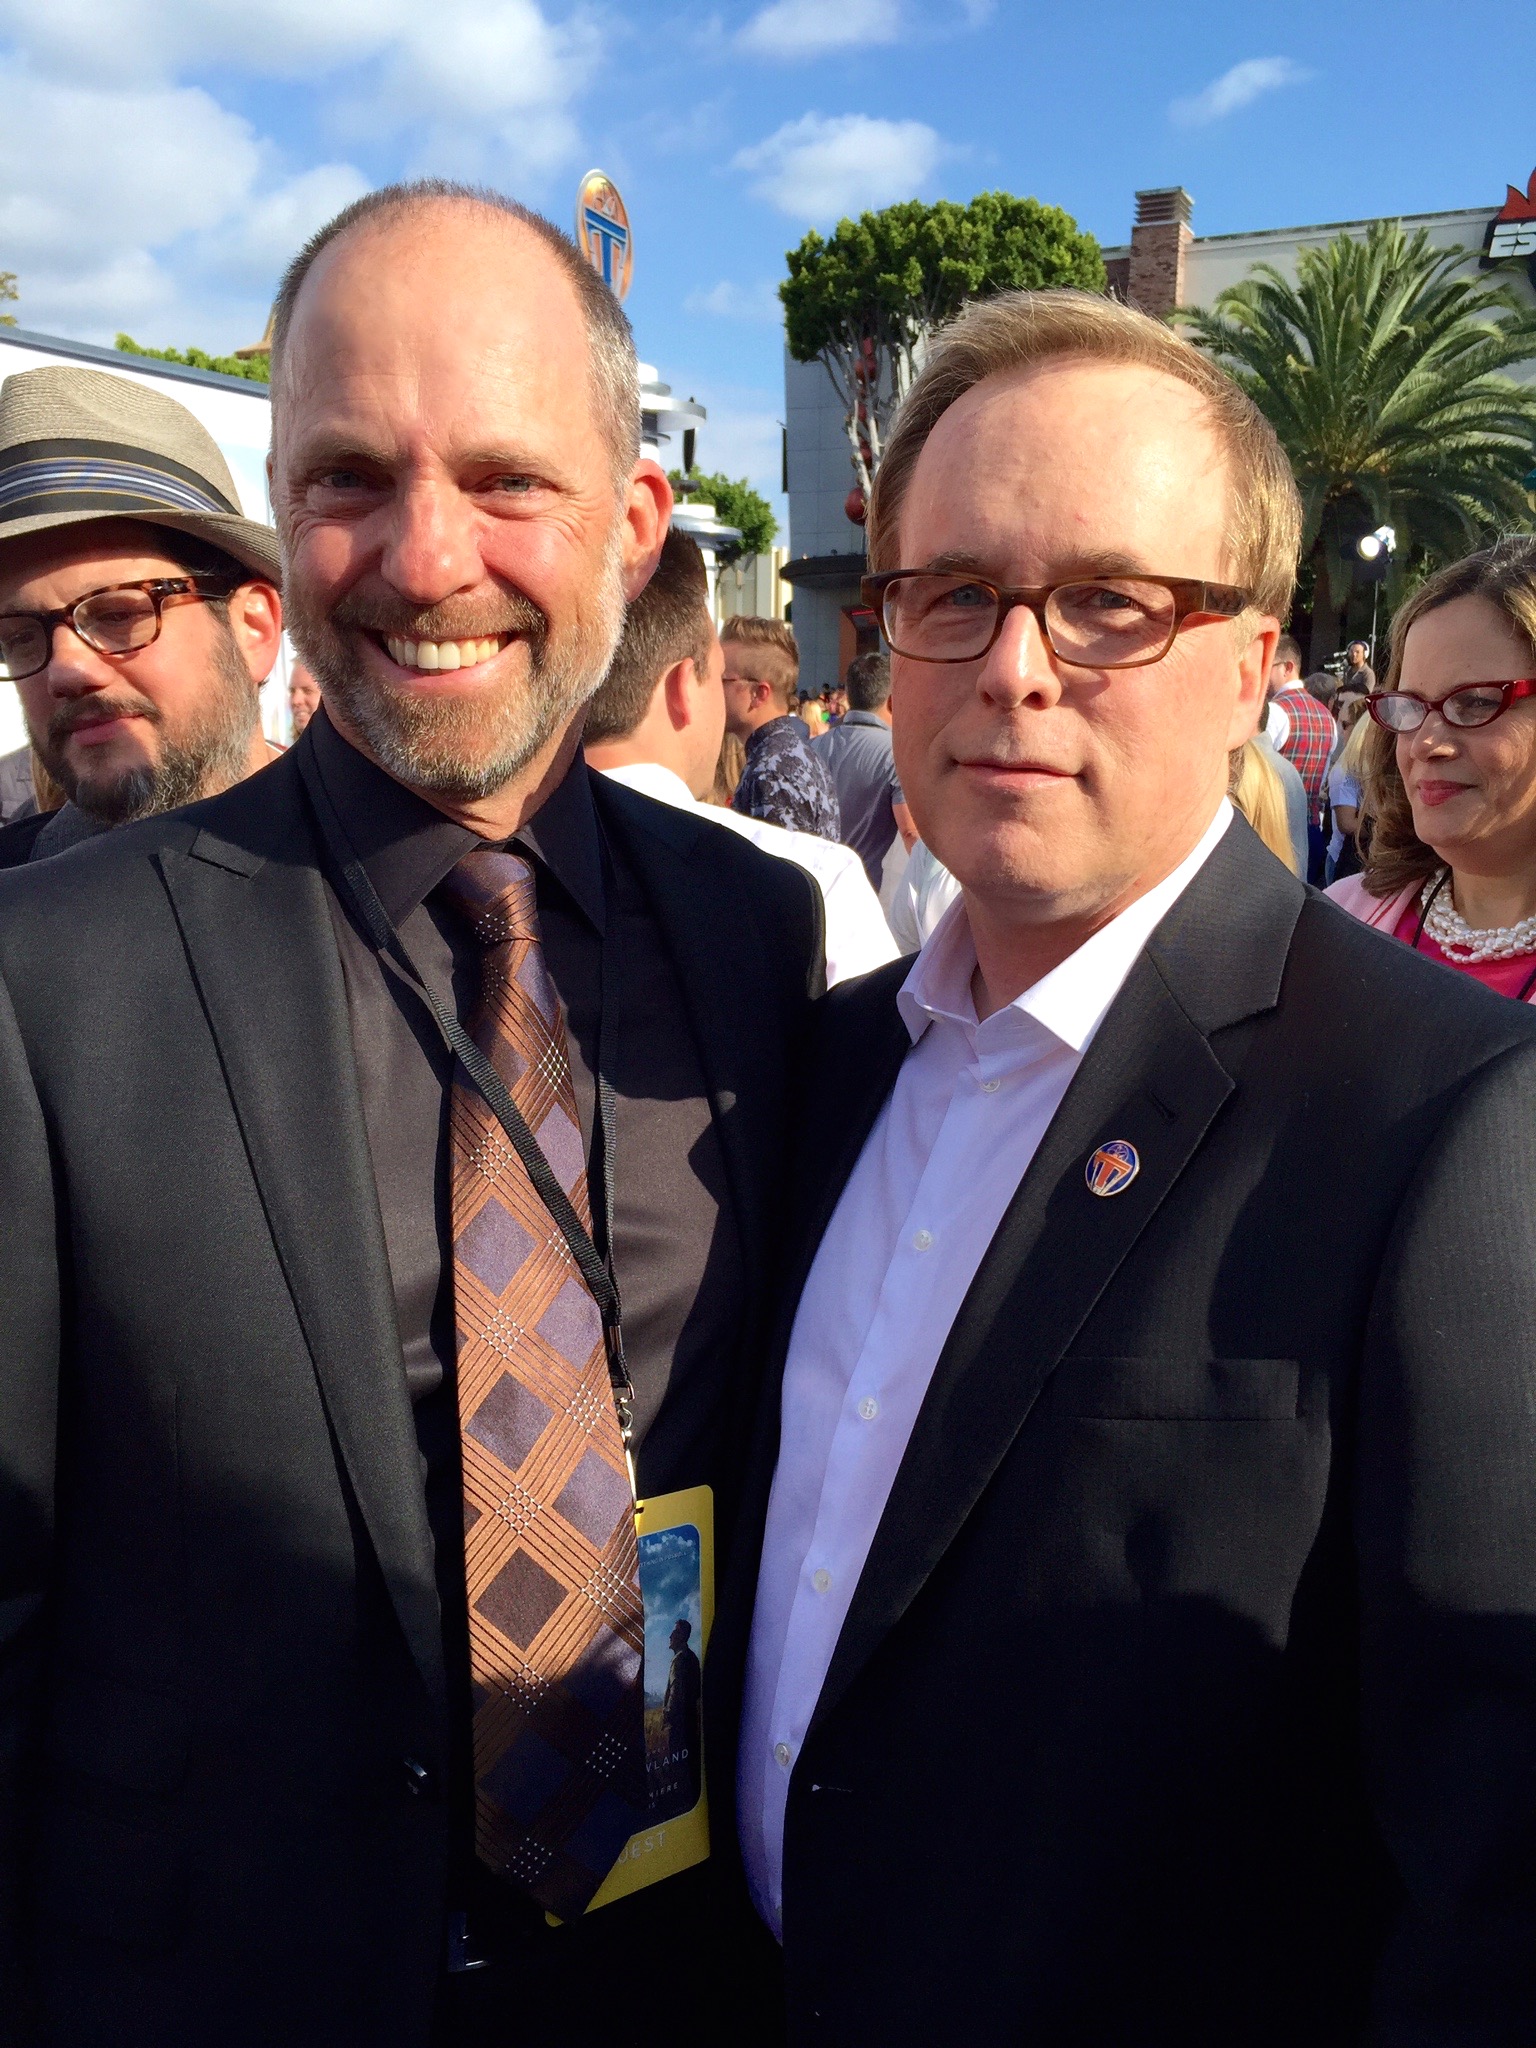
(606, 1195)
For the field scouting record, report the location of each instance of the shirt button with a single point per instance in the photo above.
(990, 1087)
(821, 1580)
(869, 1408)
(781, 1754)
(922, 1240)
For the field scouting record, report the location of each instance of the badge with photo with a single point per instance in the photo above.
(677, 1584)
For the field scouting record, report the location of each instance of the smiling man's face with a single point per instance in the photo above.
(1056, 793)
(459, 546)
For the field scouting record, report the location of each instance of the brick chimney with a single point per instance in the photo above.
(1158, 244)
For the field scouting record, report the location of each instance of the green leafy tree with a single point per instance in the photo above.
(256, 369)
(1382, 372)
(864, 301)
(8, 291)
(735, 502)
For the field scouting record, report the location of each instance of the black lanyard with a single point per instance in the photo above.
(1530, 980)
(363, 899)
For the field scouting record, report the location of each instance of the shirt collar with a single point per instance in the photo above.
(863, 718)
(777, 727)
(1072, 1000)
(652, 780)
(408, 847)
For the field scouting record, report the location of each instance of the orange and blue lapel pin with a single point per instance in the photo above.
(1112, 1168)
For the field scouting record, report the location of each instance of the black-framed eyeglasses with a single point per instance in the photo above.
(1468, 705)
(1089, 622)
(121, 618)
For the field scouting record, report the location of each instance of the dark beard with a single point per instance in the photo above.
(468, 748)
(209, 754)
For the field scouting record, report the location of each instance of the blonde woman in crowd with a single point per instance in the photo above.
(1255, 788)
(1450, 774)
(1344, 773)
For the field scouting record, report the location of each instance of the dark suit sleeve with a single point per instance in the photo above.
(29, 1356)
(1446, 1542)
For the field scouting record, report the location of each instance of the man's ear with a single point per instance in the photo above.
(1253, 666)
(256, 620)
(647, 515)
(679, 692)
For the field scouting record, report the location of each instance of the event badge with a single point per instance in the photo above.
(677, 1586)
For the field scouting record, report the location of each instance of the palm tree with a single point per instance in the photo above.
(8, 291)
(1381, 371)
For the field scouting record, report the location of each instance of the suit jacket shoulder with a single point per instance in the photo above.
(17, 838)
(731, 878)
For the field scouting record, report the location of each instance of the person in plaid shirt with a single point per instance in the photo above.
(1309, 742)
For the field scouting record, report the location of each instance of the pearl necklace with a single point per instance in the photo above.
(1460, 941)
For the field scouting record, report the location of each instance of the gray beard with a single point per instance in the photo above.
(210, 754)
(466, 749)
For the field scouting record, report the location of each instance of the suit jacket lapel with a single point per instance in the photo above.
(1151, 1077)
(720, 969)
(256, 923)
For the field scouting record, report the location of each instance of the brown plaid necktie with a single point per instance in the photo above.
(556, 1626)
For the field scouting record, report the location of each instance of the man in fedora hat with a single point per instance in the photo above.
(139, 611)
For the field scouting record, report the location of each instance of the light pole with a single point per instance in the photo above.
(1376, 551)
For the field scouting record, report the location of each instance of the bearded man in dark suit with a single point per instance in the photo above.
(1144, 1652)
(388, 1148)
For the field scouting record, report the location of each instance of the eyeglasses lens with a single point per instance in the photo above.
(116, 621)
(1110, 624)
(1113, 623)
(1476, 706)
(939, 618)
(1397, 712)
(23, 647)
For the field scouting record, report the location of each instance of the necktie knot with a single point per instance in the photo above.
(494, 893)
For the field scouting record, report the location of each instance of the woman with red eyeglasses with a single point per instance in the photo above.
(1450, 774)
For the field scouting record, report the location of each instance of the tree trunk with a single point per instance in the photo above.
(1330, 598)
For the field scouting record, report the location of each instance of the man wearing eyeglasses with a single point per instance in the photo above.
(139, 611)
(1144, 1645)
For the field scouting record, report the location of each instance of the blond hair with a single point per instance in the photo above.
(773, 634)
(1255, 787)
(1016, 330)
(1503, 574)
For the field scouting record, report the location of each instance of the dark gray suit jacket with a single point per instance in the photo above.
(221, 1665)
(1188, 1695)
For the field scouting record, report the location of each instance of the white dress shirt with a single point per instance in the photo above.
(858, 937)
(944, 1159)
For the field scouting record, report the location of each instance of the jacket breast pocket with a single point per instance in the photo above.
(1175, 1389)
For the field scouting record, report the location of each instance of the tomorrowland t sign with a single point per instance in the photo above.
(603, 233)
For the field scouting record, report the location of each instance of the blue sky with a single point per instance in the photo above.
(161, 158)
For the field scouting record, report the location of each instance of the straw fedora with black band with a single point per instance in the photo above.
(77, 445)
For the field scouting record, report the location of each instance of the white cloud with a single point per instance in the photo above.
(758, 303)
(1237, 88)
(100, 186)
(810, 28)
(818, 168)
(129, 197)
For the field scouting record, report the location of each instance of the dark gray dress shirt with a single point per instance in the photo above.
(857, 752)
(676, 1252)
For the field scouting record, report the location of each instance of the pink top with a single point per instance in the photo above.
(1399, 915)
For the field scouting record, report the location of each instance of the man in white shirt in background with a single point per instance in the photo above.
(1100, 1688)
(657, 723)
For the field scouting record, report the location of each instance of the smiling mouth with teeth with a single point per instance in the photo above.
(437, 655)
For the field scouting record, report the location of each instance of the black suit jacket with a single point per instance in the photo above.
(1188, 1695)
(220, 1651)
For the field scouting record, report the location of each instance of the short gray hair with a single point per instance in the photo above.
(615, 373)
